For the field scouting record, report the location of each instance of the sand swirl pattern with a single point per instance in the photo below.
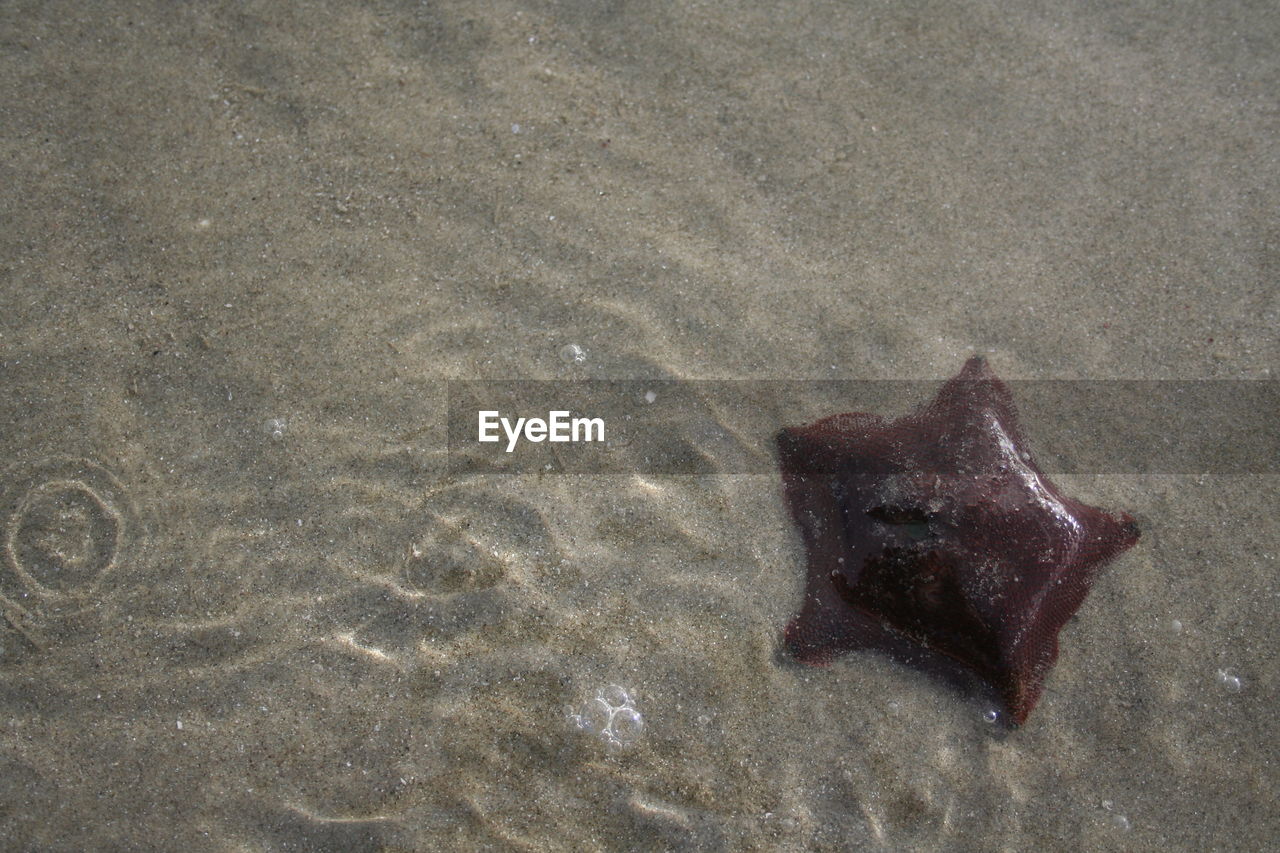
(69, 524)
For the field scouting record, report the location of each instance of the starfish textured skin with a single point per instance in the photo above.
(937, 538)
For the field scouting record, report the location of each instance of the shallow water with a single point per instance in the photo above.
(251, 604)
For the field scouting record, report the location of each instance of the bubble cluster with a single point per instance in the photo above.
(1229, 680)
(572, 354)
(611, 716)
(276, 427)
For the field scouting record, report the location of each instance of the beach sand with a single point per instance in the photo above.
(249, 604)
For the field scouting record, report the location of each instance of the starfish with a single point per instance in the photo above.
(937, 538)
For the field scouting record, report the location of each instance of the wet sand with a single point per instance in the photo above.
(250, 605)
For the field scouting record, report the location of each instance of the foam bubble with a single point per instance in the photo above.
(1117, 820)
(626, 726)
(572, 354)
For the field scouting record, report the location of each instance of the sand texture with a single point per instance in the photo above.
(250, 605)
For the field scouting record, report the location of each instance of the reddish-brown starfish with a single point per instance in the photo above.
(938, 532)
